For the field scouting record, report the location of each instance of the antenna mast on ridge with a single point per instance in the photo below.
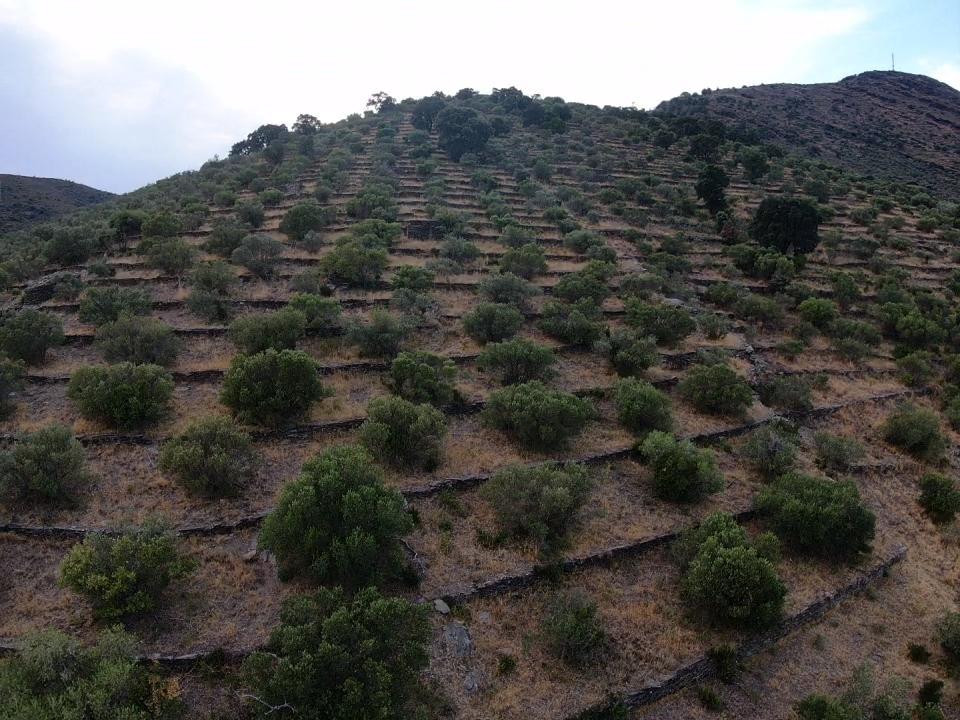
(893, 65)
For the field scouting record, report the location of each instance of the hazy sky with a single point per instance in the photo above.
(119, 94)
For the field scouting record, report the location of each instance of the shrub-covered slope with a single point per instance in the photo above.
(25, 200)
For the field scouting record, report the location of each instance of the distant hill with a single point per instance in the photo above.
(26, 200)
(890, 125)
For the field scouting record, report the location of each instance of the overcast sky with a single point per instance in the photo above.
(119, 94)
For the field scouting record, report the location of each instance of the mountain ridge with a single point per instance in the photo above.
(26, 199)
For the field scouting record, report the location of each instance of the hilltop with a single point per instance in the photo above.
(889, 125)
(588, 411)
(26, 200)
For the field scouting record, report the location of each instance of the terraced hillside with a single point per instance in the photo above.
(544, 595)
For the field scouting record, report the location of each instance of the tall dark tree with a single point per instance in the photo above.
(426, 111)
(462, 130)
(258, 139)
(710, 186)
(382, 102)
(786, 224)
(306, 124)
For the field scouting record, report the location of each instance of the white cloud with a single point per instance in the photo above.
(948, 73)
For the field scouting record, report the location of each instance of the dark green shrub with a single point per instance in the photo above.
(835, 453)
(259, 254)
(669, 325)
(916, 368)
(28, 334)
(226, 234)
(335, 657)
(271, 387)
(124, 575)
(462, 130)
(54, 677)
(716, 389)
(820, 707)
(573, 630)
(508, 289)
(731, 583)
(526, 261)
(817, 516)
(251, 213)
(787, 392)
(101, 305)
(423, 377)
(270, 197)
(579, 323)
(68, 286)
(140, 340)
(770, 451)
(210, 293)
(212, 457)
(412, 277)
(581, 240)
(172, 256)
(726, 662)
(374, 202)
(710, 700)
(538, 503)
(580, 285)
(279, 330)
(536, 416)
(948, 633)
(759, 309)
(681, 471)
(124, 396)
(354, 263)
(11, 382)
(381, 337)
(915, 431)
(337, 523)
(160, 224)
(641, 407)
(710, 188)
(939, 496)
(322, 314)
(403, 434)
(492, 322)
(819, 312)
(786, 224)
(46, 465)
(631, 354)
(517, 361)
(304, 217)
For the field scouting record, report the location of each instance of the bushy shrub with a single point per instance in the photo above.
(354, 263)
(641, 407)
(322, 314)
(819, 312)
(526, 261)
(572, 629)
(835, 453)
(681, 471)
(948, 633)
(536, 416)
(47, 465)
(770, 451)
(160, 224)
(916, 368)
(68, 286)
(786, 224)
(226, 234)
(412, 277)
(140, 340)
(381, 337)
(759, 308)
(728, 578)
(492, 322)
(716, 389)
(787, 392)
(579, 323)
(462, 130)
(304, 217)
(631, 354)
(28, 334)
(916, 431)
(422, 377)
(508, 289)
(403, 434)
(817, 516)
(251, 213)
(101, 305)
(212, 457)
(210, 293)
(337, 523)
(54, 677)
(939, 496)
(124, 575)
(517, 361)
(11, 382)
(279, 330)
(538, 503)
(124, 396)
(271, 387)
(580, 285)
(669, 325)
(334, 656)
(172, 256)
(821, 707)
(259, 254)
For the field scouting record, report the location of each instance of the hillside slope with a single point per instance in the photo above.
(891, 125)
(25, 200)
